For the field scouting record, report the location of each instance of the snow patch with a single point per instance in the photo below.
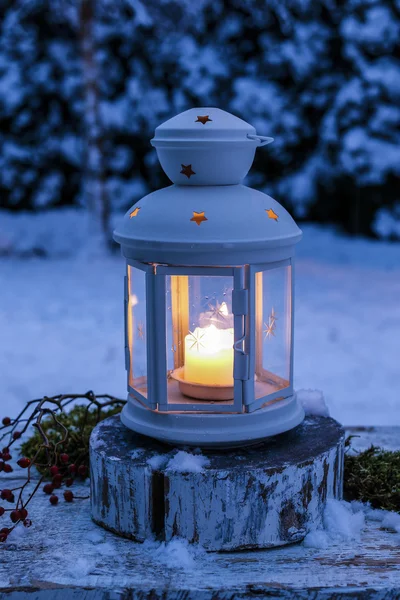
(157, 462)
(184, 462)
(179, 553)
(386, 223)
(95, 537)
(341, 524)
(106, 549)
(316, 539)
(136, 453)
(344, 521)
(78, 567)
(391, 521)
(313, 402)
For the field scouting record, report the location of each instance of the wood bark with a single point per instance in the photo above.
(258, 497)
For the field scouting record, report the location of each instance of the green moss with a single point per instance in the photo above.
(373, 476)
(79, 421)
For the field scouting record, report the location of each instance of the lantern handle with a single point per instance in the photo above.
(260, 138)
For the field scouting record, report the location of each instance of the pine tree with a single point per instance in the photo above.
(319, 76)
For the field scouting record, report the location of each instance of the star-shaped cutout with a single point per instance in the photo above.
(203, 120)
(135, 212)
(140, 330)
(271, 214)
(199, 217)
(187, 170)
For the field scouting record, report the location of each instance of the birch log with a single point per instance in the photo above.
(258, 497)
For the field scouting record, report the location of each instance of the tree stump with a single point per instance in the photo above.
(262, 496)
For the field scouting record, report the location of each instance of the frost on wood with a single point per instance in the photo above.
(263, 496)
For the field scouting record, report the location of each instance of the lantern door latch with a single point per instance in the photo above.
(240, 302)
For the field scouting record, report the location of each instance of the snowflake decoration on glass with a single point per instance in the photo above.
(219, 311)
(194, 338)
(270, 327)
(140, 330)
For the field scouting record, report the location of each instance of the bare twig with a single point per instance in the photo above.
(45, 416)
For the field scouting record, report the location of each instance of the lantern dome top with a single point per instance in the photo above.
(218, 225)
(216, 221)
(203, 124)
(206, 146)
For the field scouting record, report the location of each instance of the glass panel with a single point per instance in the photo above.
(273, 330)
(199, 339)
(137, 334)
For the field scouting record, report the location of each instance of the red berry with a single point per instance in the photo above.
(15, 516)
(7, 468)
(82, 471)
(48, 488)
(6, 456)
(57, 481)
(68, 496)
(54, 470)
(5, 530)
(23, 513)
(4, 534)
(11, 499)
(6, 449)
(64, 457)
(72, 469)
(53, 500)
(16, 435)
(27, 523)
(2, 511)
(69, 481)
(24, 463)
(6, 421)
(1, 466)
(5, 494)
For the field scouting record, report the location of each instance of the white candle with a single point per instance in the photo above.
(209, 356)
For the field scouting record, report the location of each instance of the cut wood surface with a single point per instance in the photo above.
(65, 556)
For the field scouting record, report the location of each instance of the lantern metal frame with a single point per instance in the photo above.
(244, 311)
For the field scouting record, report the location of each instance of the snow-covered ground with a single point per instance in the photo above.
(61, 323)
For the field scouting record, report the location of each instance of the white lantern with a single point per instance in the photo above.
(209, 293)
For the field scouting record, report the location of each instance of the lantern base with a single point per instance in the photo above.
(256, 497)
(213, 430)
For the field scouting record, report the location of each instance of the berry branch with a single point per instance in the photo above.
(58, 448)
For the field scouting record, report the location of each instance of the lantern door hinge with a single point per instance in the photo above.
(241, 368)
(240, 302)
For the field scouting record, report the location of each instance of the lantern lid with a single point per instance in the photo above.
(217, 225)
(202, 125)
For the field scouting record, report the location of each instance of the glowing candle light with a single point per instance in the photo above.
(209, 356)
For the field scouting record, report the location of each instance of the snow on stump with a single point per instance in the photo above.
(263, 496)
